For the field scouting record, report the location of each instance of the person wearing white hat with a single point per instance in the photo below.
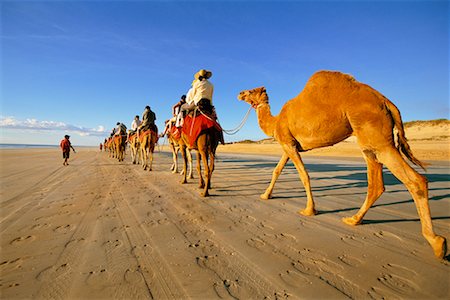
(201, 91)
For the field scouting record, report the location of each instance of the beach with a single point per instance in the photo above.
(100, 229)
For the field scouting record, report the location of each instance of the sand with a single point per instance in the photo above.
(100, 229)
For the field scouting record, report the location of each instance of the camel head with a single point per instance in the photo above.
(254, 97)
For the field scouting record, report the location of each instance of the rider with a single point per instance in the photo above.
(148, 120)
(134, 126)
(121, 129)
(201, 93)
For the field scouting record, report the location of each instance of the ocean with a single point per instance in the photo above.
(23, 146)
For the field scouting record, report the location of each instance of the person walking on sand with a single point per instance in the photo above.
(65, 147)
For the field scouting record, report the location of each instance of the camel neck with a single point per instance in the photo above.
(265, 119)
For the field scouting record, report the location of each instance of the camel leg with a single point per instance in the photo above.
(207, 174)
(174, 167)
(375, 188)
(150, 154)
(191, 175)
(201, 182)
(417, 185)
(211, 168)
(276, 172)
(293, 154)
(183, 155)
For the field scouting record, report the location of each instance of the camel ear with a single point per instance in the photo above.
(263, 89)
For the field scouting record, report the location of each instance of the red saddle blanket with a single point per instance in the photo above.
(147, 132)
(192, 127)
(175, 132)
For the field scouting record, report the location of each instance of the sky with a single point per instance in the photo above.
(79, 67)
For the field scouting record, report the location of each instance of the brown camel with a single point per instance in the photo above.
(119, 146)
(175, 147)
(206, 145)
(147, 142)
(332, 107)
(133, 141)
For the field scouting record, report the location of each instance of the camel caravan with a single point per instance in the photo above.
(332, 107)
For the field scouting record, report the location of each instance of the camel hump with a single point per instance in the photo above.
(402, 141)
(330, 76)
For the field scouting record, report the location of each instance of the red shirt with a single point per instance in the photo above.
(65, 145)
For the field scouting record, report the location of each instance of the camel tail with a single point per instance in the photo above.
(403, 145)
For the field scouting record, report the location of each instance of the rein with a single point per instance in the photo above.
(239, 127)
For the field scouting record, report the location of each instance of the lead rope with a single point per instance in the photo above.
(239, 127)
(232, 131)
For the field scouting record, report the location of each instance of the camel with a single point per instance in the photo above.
(332, 107)
(206, 145)
(120, 145)
(175, 147)
(147, 142)
(134, 147)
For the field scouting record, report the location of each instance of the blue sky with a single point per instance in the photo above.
(78, 67)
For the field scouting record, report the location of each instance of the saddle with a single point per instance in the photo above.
(194, 125)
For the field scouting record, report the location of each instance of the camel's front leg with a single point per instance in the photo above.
(191, 174)
(174, 167)
(375, 188)
(293, 154)
(183, 155)
(276, 172)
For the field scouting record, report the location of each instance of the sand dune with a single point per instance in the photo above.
(99, 229)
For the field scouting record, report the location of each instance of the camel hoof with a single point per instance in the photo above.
(439, 246)
(353, 221)
(183, 181)
(265, 196)
(308, 212)
(204, 194)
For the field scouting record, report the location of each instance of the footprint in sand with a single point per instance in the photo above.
(64, 228)
(286, 237)
(98, 278)
(112, 245)
(141, 251)
(352, 241)
(385, 234)
(40, 226)
(395, 278)
(21, 240)
(9, 265)
(257, 244)
(350, 260)
(53, 272)
(265, 225)
(294, 278)
(134, 276)
(75, 243)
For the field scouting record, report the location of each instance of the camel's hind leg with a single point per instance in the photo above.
(417, 185)
(374, 189)
(207, 183)
(293, 154)
(276, 172)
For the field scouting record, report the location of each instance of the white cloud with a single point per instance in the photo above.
(37, 125)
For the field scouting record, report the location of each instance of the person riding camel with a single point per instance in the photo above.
(121, 129)
(148, 121)
(134, 126)
(200, 97)
(201, 93)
